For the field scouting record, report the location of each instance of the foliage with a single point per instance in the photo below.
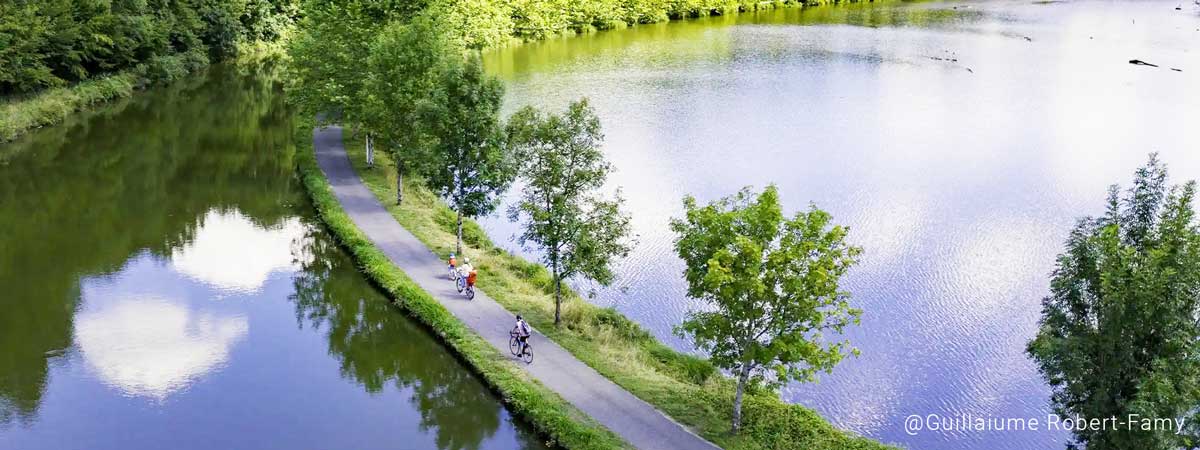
(548, 412)
(685, 387)
(473, 166)
(772, 284)
(329, 52)
(403, 66)
(1118, 332)
(52, 43)
(578, 232)
(483, 23)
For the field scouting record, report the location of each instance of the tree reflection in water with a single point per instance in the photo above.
(376, 344)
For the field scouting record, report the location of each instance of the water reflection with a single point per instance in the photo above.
(152, 347)
(232, 254)
(377, 346)
(960, 184)
(147, 257)
(79, 199)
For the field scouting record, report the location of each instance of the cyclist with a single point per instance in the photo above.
(465, 269)
(471, 275)
(452, 265)
(522, 330)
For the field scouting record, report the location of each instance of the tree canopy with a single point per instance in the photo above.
(331, 50)
(1119, 333)
(50, 43)
(771, 286)
(470, 165)
(579, 231)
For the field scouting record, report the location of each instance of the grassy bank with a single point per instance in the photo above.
(557, 420)
(687, 388)
(488, 24)
(20, 115)
(50, 107)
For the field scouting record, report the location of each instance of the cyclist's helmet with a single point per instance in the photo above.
(467, 260)
(451, 255)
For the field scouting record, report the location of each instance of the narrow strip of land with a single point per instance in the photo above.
(636, 421)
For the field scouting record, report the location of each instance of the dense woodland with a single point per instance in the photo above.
(51, 43)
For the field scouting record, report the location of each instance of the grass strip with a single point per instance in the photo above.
(557, 420)
(52, 106)
(20, 115)
(687, 388)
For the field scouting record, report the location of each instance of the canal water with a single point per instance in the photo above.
(165, 284)
(960, 141)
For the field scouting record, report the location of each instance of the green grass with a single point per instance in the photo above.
(559, 422)
(20, 115)
(52, 106)
(685, 387)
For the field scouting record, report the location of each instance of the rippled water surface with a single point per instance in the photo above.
(164, 284)
(959, 141)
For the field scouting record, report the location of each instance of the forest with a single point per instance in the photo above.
(53, 43)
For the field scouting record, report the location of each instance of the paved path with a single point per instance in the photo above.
(636, 421)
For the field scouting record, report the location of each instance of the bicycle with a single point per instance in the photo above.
(454, 275)
(514, 343)
(464, 288)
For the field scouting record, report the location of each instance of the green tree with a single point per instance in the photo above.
(329, 52)
(404, 65)
(1119, 333)
(470, 164)
(578, 231)
(771, 284)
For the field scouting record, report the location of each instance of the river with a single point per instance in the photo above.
(960, 141)
(164, 283)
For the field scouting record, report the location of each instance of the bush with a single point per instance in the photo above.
(776, 425)
(692, 368)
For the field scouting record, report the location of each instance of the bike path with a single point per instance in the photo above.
(638, 422)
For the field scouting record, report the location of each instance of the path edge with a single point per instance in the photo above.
(557, 421)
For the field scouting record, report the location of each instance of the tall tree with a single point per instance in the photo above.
(470, 165)
(404, 65)
(579, 232)
(771, 286)
(328, 53)
(1119, 333)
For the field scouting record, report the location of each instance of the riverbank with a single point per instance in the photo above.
(560, 423)
(686, 388)
(487, 25)
(50, 107)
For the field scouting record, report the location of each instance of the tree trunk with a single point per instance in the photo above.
(399, 182)
(557, 285)
(370, 152)
(458, 244)
(743, 378)
(557, 300)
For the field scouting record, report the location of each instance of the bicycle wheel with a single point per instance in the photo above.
(528, 355)
(461, 284)
(513, 345)
(470, 293)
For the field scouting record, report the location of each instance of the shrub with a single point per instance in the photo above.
(692, 368)
(776, 425)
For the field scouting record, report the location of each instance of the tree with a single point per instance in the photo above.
(578, 231)
(1119, 333)
(470, 164)
(328, 53)
(772, 287)
(404, 65)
